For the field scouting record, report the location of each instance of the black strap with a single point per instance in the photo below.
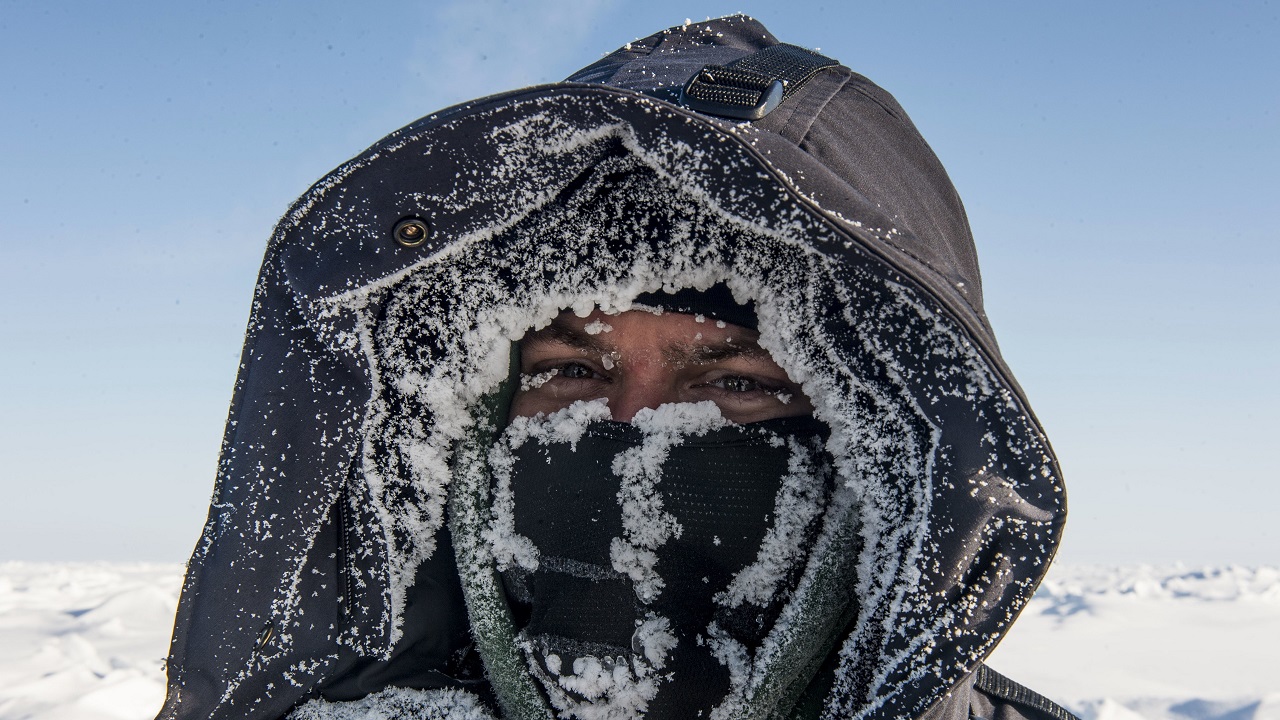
(750, 87)
(993, 683)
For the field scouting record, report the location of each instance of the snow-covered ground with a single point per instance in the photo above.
(1168, 643)
(86, 641)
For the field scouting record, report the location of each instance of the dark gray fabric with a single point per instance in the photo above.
(954, 705)
(996, 697)
(715, 302)
(880, 165)
(987, 695)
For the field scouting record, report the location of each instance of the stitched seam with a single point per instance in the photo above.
(886, 239)
(344, 551)
(813, 117)
(946, 281)
(1002, 687)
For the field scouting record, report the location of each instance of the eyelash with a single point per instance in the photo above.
(563, 370)
(723, 381)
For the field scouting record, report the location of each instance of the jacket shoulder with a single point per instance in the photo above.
(996, 697)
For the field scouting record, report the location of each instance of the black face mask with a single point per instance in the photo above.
(645, 562)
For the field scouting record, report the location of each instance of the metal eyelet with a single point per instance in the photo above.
(411, 232)
(265, 636)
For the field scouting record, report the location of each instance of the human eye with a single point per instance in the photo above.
(559, 373)
(738, 384)
(743, 387)
(553, 384)
(745, 395)
(576, 371)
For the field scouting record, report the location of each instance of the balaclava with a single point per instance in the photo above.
(645, 562)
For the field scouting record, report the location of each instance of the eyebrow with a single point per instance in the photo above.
(702, 354)
(559, 332)
(679, 354)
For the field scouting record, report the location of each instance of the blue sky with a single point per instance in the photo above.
(1118, 161)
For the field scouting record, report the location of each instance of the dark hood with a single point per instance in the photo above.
(326, 548)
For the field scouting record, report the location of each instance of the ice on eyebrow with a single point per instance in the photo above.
(553, 335)
(596, 327)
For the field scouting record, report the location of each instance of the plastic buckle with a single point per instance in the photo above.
(770, 98)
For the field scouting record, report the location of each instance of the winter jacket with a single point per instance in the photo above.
(382, 320)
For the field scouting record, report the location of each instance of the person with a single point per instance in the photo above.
(663, 392)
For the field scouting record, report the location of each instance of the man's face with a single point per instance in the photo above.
(640, 360)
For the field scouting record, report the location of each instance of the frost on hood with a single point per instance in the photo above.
(906, 560)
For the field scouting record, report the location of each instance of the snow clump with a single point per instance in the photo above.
(646, 525)
(398, 704)
(563, 426)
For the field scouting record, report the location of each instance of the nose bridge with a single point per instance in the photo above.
(645, 384)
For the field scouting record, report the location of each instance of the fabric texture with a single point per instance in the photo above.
(703, 545)
(350, 546)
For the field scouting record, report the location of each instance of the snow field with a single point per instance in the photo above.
(86, 641)
(1118, 643)
(81, 641)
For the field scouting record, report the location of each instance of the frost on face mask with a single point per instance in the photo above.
(506, 545)
(608, 688)
(798, 504)
(578, 517)
(938, 477)
(646, 525)
(615, 541)
(398, 704)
